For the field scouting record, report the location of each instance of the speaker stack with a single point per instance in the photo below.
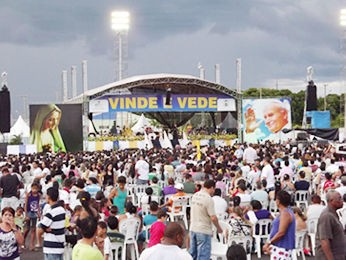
(5, 110)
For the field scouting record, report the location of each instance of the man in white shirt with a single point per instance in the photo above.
(315, 209)
(219, 203)
(342, 188)
(268, 174)
(170, 246)
(37, 171)
(250, 154)
(142, 171)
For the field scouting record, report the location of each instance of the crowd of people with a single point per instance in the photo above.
(180, 202)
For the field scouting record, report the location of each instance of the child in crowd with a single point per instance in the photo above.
(113, 236)
(157, 229)
(32, 213)
(101, 235)
(75, 216)
(19, 218)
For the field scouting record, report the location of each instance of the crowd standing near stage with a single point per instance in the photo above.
(175, 204)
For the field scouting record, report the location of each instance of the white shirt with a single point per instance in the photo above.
(314, 211)
(220, 205)
(167, 252)
(142, 168)
(268, 174)
(341, 190)
(250, 155)
(37, 172)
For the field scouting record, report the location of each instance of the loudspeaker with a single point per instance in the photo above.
(302, 136)
(3, 148)
(5, 110)
(168, 98)
(308, 120)
(90, 116)
(311, 98)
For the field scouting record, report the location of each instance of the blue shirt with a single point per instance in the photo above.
(288, 241)
(92, 189)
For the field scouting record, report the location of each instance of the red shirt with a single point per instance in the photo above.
(328, 184)
(156, 233)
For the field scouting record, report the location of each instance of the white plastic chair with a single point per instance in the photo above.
(115, 248)
(130, 228)
(146, 228)
(218, 250)
(244, 241)
(179, 202)
(301, 198)
(312, 229)
(261, 230)
(273, 208)
(342, 215)
(299, 248)
(222, 216)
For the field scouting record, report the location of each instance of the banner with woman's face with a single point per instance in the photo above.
(56, 127)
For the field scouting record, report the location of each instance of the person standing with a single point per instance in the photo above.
(84, 249)
(202, 216)
(330, 236)
(268, 174)
(11, 237)
(282, 236)
(142, 171)
(9, 188)
(250, 154)
(53, 227)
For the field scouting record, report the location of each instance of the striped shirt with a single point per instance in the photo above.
(53, 242)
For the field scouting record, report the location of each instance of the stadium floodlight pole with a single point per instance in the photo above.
(343, 53)
(121, 25)
(239, 101)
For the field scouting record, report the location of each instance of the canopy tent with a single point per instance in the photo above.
(141, 124)
(20, 128)
(228, 122)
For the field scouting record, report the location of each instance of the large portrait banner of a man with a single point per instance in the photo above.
(56, 127)
(264, 119)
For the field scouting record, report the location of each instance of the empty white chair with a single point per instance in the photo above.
(273, 208)
(342, 215)
(130, 228)
(299, 248)
(312, 229)
(301, 198)
(222, 216)
(261, 230)
(178, 209)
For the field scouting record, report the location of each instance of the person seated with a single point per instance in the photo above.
(157, 190)
(245, 198)
(157, 229)
(257, 212)
(149, 219)
(219, 203)
(113, 236)
(260, 194)
(189, 185)
(301, 183)
(236, 252)
(101, 235)
(300, 219)
(180, 193)
(168, 190)
(315, 209)
(240, 225)
(329, 183)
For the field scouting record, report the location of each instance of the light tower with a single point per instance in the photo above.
(120, 22)
(343, 55)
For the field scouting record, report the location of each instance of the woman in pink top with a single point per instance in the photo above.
(157, 229)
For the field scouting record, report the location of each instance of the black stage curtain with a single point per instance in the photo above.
(5, 110)
(331, 134)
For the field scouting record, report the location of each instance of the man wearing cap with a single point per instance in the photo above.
(180, 193)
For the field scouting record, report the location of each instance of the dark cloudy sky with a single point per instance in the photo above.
(276, 39)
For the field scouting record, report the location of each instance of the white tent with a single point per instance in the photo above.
(20, 128)
(141, 124)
